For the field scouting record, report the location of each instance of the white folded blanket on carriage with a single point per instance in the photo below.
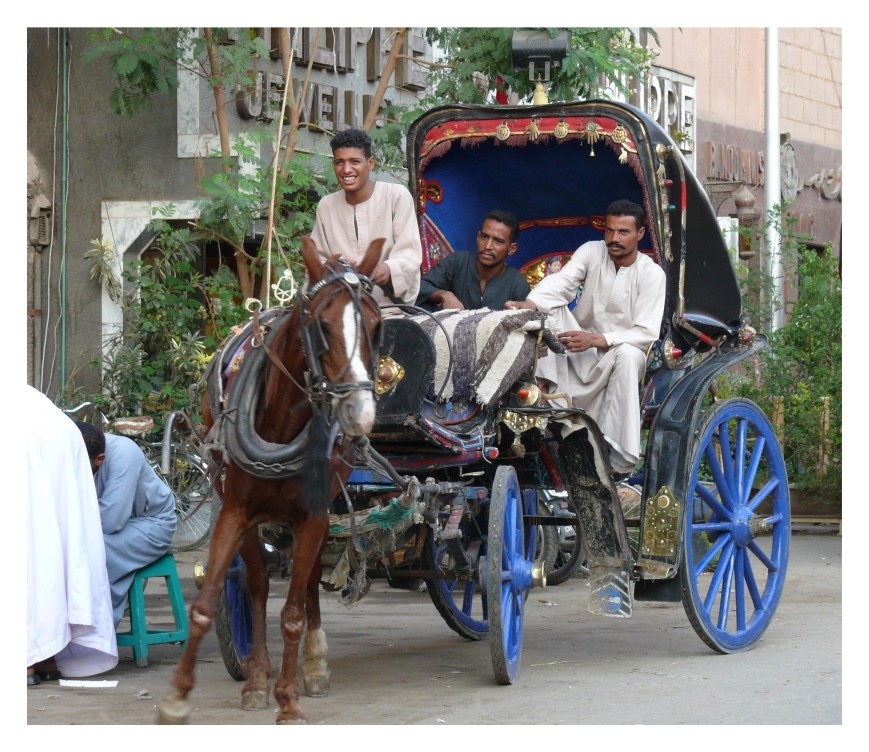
(491, 350)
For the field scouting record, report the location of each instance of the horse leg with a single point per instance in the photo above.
(315, 668)
(308, 540)
(256, 666)
(173, 708)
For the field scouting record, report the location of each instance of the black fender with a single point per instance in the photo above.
(671, 442)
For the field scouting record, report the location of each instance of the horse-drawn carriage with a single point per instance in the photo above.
(453, 479)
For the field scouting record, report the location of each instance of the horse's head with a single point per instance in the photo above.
(341, 333)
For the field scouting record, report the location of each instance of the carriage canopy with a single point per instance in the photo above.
(557, 167)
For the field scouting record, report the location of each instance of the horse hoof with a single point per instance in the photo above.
(255, 700)
(317, 686)
(173, 710)
(292, 720)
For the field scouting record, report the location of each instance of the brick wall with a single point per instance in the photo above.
(811, 85)
(728, 65)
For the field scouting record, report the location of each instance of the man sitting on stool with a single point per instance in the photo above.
(137, 509)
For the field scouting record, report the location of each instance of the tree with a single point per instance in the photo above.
(479, 63)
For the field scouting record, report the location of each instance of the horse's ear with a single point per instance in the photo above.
(311, 256)
(371, 257)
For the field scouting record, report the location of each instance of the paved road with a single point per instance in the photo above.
(394, 661)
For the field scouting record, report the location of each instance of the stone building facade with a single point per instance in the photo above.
(93, 175)
(726, 67)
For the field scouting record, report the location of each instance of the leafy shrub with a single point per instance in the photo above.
(801, 369)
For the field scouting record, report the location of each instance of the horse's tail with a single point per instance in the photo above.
(317, 478)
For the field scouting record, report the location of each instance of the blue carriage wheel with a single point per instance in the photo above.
(233, 622)
(457, 595)
(737, 527)
(508, 575)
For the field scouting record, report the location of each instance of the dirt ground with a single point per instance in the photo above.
(394, 661)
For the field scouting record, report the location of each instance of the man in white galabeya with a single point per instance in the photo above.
(364, 210)
(609, 332)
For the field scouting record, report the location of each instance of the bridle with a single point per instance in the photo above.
(320, 390)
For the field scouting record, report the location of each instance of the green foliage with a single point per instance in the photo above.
(174, 318)
(477, 57)
(802, 366)
(145, 62)
(237, 198)
(102, 270)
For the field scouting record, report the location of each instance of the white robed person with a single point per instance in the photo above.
(69, 607)
(347, 221)
(609, 331)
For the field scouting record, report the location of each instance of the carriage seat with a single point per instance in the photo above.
(466, 360)
(481, 353)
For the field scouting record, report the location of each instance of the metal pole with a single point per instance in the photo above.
(772, 191)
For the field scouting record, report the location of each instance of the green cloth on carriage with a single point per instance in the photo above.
(481, 353)
(386, 517)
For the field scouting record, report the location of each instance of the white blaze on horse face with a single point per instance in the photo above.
(356, 411)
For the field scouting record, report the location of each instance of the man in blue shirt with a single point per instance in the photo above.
(465, 280)
(137, 509)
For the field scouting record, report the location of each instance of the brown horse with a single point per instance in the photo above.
(310, 376)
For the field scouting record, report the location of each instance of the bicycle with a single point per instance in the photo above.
(175, 459)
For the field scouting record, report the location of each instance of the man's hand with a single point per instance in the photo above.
(515, 305)
(381, 274)
(582, 341)
(447, 300)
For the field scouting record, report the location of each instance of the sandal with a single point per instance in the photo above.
(47, 670)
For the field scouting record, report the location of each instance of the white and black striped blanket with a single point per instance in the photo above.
(481, 353)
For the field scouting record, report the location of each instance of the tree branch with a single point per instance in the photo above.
(371, 118)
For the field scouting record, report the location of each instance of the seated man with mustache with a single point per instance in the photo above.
(609, 332)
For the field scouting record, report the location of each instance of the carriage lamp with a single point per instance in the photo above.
(536, 49)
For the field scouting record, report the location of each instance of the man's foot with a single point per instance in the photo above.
(32, 678)
(47, 670)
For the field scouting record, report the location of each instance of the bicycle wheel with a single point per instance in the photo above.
(189, 481)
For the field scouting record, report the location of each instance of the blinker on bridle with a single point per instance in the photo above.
(314, 341)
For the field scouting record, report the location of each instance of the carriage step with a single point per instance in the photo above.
(610, 590)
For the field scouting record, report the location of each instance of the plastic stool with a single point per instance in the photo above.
(139, 636)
